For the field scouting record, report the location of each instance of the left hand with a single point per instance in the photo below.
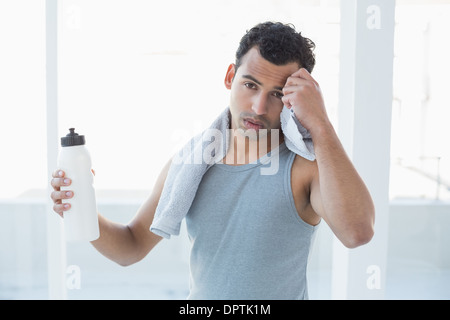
(303, 93)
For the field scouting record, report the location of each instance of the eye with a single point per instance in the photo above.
(250, 85)
(278, 94)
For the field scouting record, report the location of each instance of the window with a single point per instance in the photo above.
(420, 162)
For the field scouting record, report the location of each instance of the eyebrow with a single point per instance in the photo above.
(250, 77)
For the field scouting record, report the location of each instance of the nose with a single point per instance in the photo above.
(260, 104)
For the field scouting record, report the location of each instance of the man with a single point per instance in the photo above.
(251, 233)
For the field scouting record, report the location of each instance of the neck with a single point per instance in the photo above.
(249, 146)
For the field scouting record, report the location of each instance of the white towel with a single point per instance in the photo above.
(296, 137)
(202, 152)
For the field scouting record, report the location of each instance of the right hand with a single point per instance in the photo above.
(60, 180)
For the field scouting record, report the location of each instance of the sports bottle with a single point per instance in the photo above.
(81, 220)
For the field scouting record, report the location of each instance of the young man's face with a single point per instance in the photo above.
(256, 91)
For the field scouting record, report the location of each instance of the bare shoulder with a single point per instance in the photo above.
(303, 173)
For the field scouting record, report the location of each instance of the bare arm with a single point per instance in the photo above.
(337, 192)
(339, 195)
(124, 244)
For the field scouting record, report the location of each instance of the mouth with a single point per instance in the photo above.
(253, 124)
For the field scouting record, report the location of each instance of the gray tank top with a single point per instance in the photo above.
(248, 241)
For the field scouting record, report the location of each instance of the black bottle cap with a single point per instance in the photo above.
(72, 139)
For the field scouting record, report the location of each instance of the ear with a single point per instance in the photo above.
(230, 76)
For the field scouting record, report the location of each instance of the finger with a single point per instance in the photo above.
(59, 208)
(296, 81)
(58, 173)
(290, 89)
(304, 74)
(57, 196)
(57, 183)
(292, 98)
(287, 101)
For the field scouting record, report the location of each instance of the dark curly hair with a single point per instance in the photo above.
(279, 44)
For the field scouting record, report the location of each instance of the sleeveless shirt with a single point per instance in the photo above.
(247, 239)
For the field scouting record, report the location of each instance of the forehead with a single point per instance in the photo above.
(266, 72)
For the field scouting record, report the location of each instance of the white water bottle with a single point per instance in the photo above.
(81, 220)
